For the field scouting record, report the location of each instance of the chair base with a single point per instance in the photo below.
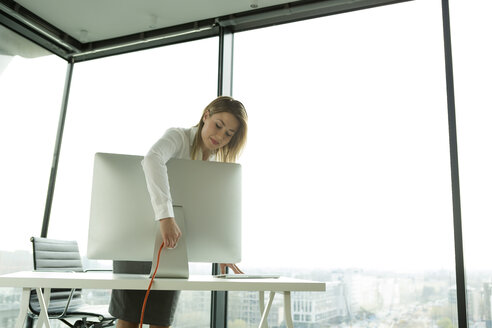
(84, 323)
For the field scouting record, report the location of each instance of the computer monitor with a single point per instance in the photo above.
(122, 224)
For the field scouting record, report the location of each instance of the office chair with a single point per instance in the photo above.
(63, 256)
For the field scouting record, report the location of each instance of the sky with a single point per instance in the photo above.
(324, 169)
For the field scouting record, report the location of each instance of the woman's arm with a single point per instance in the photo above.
(155, 170)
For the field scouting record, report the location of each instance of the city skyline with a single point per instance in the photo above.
(354, 298)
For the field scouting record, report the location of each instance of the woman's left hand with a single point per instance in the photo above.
(231, 266)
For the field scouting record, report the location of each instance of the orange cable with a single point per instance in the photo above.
(150, 285)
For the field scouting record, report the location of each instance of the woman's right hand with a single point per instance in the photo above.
(170, 232)
(234, 268)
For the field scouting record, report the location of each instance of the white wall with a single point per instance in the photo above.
(4, 62)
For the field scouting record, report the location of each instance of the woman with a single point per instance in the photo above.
(219, 136)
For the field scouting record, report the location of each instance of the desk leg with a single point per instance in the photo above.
(24, 306)
(43, 318)
(264, 316)
(262, 307)
(287, 310)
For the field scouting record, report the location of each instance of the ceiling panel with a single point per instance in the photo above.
(79, 30)
(94, 20)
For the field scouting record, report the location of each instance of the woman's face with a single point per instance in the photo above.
(218, 130)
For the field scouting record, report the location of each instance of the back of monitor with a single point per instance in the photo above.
(122, 224)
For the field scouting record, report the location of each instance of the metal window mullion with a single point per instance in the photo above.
(56, 152)
(455, 185)
(218, 311)
(226, 51)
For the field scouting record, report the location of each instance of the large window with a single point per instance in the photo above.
(124, 104)
(346, 170)
(345, 176)
(472, 50)
(31, 87)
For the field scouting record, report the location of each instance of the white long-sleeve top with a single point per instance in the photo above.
(175, 143)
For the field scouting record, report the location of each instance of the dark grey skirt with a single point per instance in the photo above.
(127, 304)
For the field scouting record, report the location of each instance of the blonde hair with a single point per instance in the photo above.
(230, 152)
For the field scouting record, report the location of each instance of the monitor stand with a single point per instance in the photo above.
(173, 263)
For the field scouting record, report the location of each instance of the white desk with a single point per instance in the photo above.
(108, 280)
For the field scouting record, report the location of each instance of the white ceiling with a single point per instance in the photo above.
(94, 20)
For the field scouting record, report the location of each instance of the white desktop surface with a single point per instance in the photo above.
(110, 280)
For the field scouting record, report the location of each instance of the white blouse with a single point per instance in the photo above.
(175, 143)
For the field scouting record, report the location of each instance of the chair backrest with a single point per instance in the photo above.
(56, 255)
